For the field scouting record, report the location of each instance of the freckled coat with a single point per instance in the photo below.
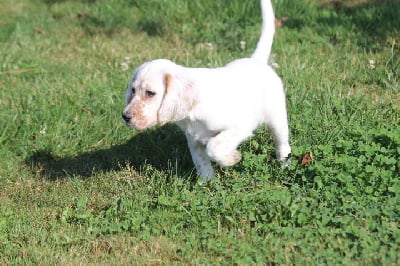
(217, 108)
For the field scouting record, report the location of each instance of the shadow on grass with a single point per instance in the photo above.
(52, 2)
(375, 20)
(164, 149)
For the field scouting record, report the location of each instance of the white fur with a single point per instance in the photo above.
(216, 108)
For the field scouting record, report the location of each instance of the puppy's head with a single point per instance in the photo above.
(159, 92)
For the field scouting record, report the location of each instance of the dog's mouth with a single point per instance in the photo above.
(127, 119)
(132, 123)
(134, 126)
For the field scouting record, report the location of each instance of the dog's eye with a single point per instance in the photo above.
(150, 94)
(133, 90)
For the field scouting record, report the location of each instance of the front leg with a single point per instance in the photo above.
(222, 147)
(200, 158)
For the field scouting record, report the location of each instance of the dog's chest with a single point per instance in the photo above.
(197, 130)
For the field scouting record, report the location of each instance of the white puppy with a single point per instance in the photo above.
(216, 108)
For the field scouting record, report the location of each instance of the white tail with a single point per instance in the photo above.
(264, 45)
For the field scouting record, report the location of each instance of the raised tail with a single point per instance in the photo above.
(264, 45)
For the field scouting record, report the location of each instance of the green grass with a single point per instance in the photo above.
(78, 187)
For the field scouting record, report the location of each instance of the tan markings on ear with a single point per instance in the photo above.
(167, 82)
(177, 99)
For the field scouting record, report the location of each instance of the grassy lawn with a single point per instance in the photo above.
(78, 187)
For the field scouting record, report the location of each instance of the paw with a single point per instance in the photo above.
(230, 159)
(285, 162)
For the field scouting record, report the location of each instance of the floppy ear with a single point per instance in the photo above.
(178, 99)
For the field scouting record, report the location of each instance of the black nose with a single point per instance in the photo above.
(126, 117)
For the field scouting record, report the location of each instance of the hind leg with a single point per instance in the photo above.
(283, 150)
(280, 130)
